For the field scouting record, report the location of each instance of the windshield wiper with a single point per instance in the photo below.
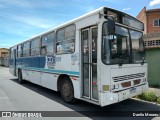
(124, 55)
(142, 63)
(120, 64)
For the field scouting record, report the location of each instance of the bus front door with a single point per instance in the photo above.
(89, 63)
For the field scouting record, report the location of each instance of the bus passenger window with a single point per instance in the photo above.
(66, 40)
(19, 51)
(26, 51)
(35, 47)
(43, 50)
(47, 46)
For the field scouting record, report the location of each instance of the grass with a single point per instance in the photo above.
(158, 100)
(149, 96)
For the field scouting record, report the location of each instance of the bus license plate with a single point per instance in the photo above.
(133, 90)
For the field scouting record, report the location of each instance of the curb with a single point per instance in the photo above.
(145, 101)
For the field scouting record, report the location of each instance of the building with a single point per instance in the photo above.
(4, 55)
(151, 20)
(4, 52)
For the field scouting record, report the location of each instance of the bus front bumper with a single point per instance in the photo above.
(114, 97)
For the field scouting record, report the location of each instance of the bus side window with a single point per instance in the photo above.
(35, 49)
(66, 40)
(19, 54)
(26, 51)
(43, 50)
(47, 44)
(60, 39)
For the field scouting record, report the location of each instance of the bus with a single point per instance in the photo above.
(98, 57)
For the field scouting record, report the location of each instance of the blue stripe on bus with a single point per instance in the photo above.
(52, 71)
(38, 62)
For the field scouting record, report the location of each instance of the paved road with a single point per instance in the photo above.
(31, 97)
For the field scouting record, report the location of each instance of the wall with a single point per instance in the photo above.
(153, 58)
(142, 17)
(147, 17)
(151, 15)
(4, 61)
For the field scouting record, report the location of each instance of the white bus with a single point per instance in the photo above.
(98, 57)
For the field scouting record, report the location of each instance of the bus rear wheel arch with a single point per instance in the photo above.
(20, 78)
(66, 89)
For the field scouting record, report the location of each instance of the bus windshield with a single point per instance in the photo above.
(123, 47)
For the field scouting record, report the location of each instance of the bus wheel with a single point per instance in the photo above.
(20, 80)
(66, 90)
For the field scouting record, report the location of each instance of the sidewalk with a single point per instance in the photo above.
(155, 90)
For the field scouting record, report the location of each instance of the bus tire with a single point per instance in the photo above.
(66, 90)
(20, 79)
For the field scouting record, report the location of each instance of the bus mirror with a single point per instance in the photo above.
(111, 26)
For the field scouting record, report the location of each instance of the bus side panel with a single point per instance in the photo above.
(34, 76)
(42, 61)
(77, 90)
(31, 75)
(49, 80)
(25, 74)
(34, 62)
(18, 62)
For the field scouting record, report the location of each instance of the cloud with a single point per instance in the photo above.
(33, 21)
(27, 20)
(16, 3)
(154, 2)
(29, 4)
(126, 9)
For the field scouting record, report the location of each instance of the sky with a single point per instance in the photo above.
(22, 19)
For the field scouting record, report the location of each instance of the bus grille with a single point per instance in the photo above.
(128, 77)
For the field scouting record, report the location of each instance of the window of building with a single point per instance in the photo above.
(35, 49)
(152, 43)
(19, 51)
(26, 49)
(156, 22)
(47, 46)
(66, 40)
